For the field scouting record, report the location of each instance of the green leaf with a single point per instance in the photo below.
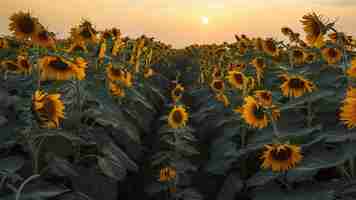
(112, 169)
(11, 164)
(312, 97)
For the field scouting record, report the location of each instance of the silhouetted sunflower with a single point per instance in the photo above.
(332, 55)
(286, 31)
(23, 25)
(178, 117)
(117, 46)
(43, 38)
(57, 68)
(348, 109)
(295, 86)
(264, 97)
(177, 92)
(270, 47)
(281, 157)
(314, 29)
(351, 71)
(237, 79)
(116, 90)
(48, 109)
(218, 85)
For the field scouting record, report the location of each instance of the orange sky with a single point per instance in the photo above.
(179, 22)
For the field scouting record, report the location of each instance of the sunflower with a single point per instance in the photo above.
(253, 113)
(148, 72)
(84, 33)
(43, 38)
(297, 56)
(24, 64)
(286, 31)
(296, 86)
(221, 97)
(242, 48)
(3, 43)
(281, 157)
(23, 25)
(116, 90)
(78, 45)
(259, 64)
(348, 109)
(127, 79)
(351, 71)
(49, 109)
(314, 29)
(177, 92)
(114, 74)
(57, 68)
(178, 117)
(270, 47)
(332, 55)
(167, 174)
(116, 33)
(264, 97)
(237, 79)
(107, 34)
(217, 85)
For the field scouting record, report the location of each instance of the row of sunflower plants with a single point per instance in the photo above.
(83, 106)
(275, 113)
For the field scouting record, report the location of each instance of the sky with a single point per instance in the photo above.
(179, 22)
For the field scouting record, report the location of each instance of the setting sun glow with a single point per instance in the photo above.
(204, 20)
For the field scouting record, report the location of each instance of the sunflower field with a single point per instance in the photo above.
(99, 116)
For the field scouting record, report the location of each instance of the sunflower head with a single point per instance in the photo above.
(217, 85)
(114, 73)
(348, 109)
(259, 63)
(237, 67)
(259, 44)
(178, 117)
(270, 47)
(24, 64)
(48, 109)
(217, 73)
(57, 68)
(43, 38)
(314, 28)
(177, 92)
(332, 55)
(237, 79)
(296, 86)
(281, 157)
(309, 57)
(23, 25)
(254, 114)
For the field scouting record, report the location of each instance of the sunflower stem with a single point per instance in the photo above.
(274, 126)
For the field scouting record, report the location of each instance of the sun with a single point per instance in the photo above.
(204, 20)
